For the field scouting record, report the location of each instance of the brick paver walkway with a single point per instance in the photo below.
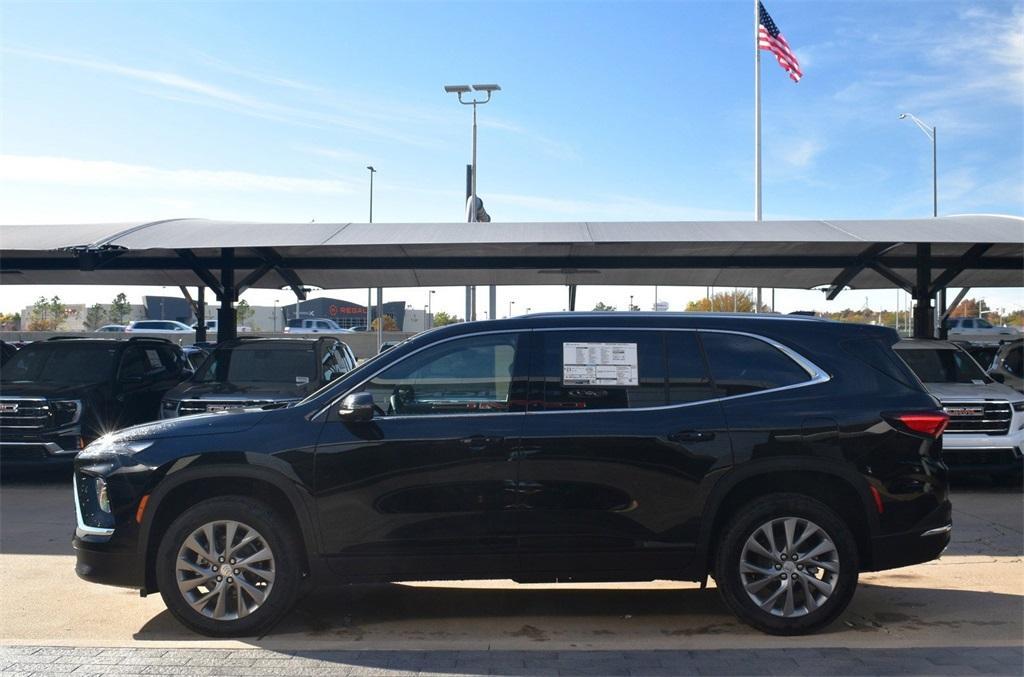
(28, 660)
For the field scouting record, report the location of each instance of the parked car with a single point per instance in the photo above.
(211, 326)
(256, 372)
(158, 327)
(782, 455)
(980, 330)
(986, 418)
(358, 327)
(314, 326)
(111, 329)
(56, 396)
(7, 351)
(1007, 365)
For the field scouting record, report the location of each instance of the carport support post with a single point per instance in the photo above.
(226, 321)
(924, 325)
(201, 314)
(380, 317)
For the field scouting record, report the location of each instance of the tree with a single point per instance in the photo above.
(47, 315)
(95, 316)
(243, 312)
(120, 309)
(10, 321)
(441, 318)
(601, 305)
(389, 324)
(726, 302)
(967, 308)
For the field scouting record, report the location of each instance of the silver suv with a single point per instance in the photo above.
(314, 326)
(986, 418)
(980, 330)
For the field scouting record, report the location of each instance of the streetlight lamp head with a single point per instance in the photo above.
(370, 167)
(487, 88)
(903, 116)
(457, 89)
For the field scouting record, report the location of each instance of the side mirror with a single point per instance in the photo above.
(356, 408)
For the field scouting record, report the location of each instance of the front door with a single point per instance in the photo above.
(621, 430)
(427, 487)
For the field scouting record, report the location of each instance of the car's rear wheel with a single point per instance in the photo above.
(229, 567)
(787, 564)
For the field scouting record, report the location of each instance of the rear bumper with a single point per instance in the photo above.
(923, 543)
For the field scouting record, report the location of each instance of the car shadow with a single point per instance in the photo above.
(371, 617)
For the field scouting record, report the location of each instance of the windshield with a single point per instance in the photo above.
(60, 363)
(265, 363)
(943, 366)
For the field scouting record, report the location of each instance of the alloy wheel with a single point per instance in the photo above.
(789, 567)
(225, 570)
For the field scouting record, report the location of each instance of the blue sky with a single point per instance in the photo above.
(609, 111)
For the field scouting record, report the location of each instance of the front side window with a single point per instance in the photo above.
(472, 375)
(1013, 360)
(744, 364)
(983, 324)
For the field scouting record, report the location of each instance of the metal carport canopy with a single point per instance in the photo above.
(966, 250)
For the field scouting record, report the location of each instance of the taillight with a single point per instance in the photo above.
(930, 423)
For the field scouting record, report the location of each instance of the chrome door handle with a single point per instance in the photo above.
(692, 436)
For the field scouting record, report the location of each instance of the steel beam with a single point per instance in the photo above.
(847, 275)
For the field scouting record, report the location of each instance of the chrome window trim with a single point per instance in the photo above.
(82, 526)
(816, 374)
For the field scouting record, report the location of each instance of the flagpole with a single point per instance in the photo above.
(757, 126)
(757, 113)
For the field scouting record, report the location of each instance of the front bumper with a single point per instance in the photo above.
(45, 451)
(923, 543)
(964, 452)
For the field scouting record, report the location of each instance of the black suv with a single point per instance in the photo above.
(782, 456)
(56, 396)
(255, 372)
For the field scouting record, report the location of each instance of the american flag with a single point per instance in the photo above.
(769, 38)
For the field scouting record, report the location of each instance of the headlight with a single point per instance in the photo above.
(1018, 406)
(102, 499)
(65, 412)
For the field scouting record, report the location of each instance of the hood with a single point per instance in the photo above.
(50, 390)
(971, 391)
(191, 390)
(190, 426)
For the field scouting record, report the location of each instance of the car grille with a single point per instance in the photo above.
(187, 407)
(991, 418)
(23, 414)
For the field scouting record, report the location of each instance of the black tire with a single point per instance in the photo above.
(748, 520)
(277, 535)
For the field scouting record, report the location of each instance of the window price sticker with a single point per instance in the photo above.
(599, 364)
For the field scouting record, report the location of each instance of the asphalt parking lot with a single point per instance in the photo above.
(962, 614)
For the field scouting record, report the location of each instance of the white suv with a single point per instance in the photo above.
(986, 418)
(979, 330)
(314, 326)
(158, 327)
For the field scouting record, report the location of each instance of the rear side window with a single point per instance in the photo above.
(744, 364)
(688, 379)
(584, 370)
(1013, 361)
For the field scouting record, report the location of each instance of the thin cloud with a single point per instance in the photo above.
(63, 171)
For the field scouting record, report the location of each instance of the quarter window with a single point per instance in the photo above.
(743, 364)
(687, 372)
(473, 375)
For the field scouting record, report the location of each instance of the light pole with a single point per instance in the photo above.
(510, 304)
(471, 210)
(930, 133)
(372, 172)
(275, 315)
(630, 303)
(430, 307)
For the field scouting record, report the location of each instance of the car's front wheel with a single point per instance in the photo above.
(787, 564)
(228, 567)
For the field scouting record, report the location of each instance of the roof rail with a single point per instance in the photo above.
(151, 338)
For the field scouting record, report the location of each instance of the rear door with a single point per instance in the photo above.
(428, 485)
(621, 429)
